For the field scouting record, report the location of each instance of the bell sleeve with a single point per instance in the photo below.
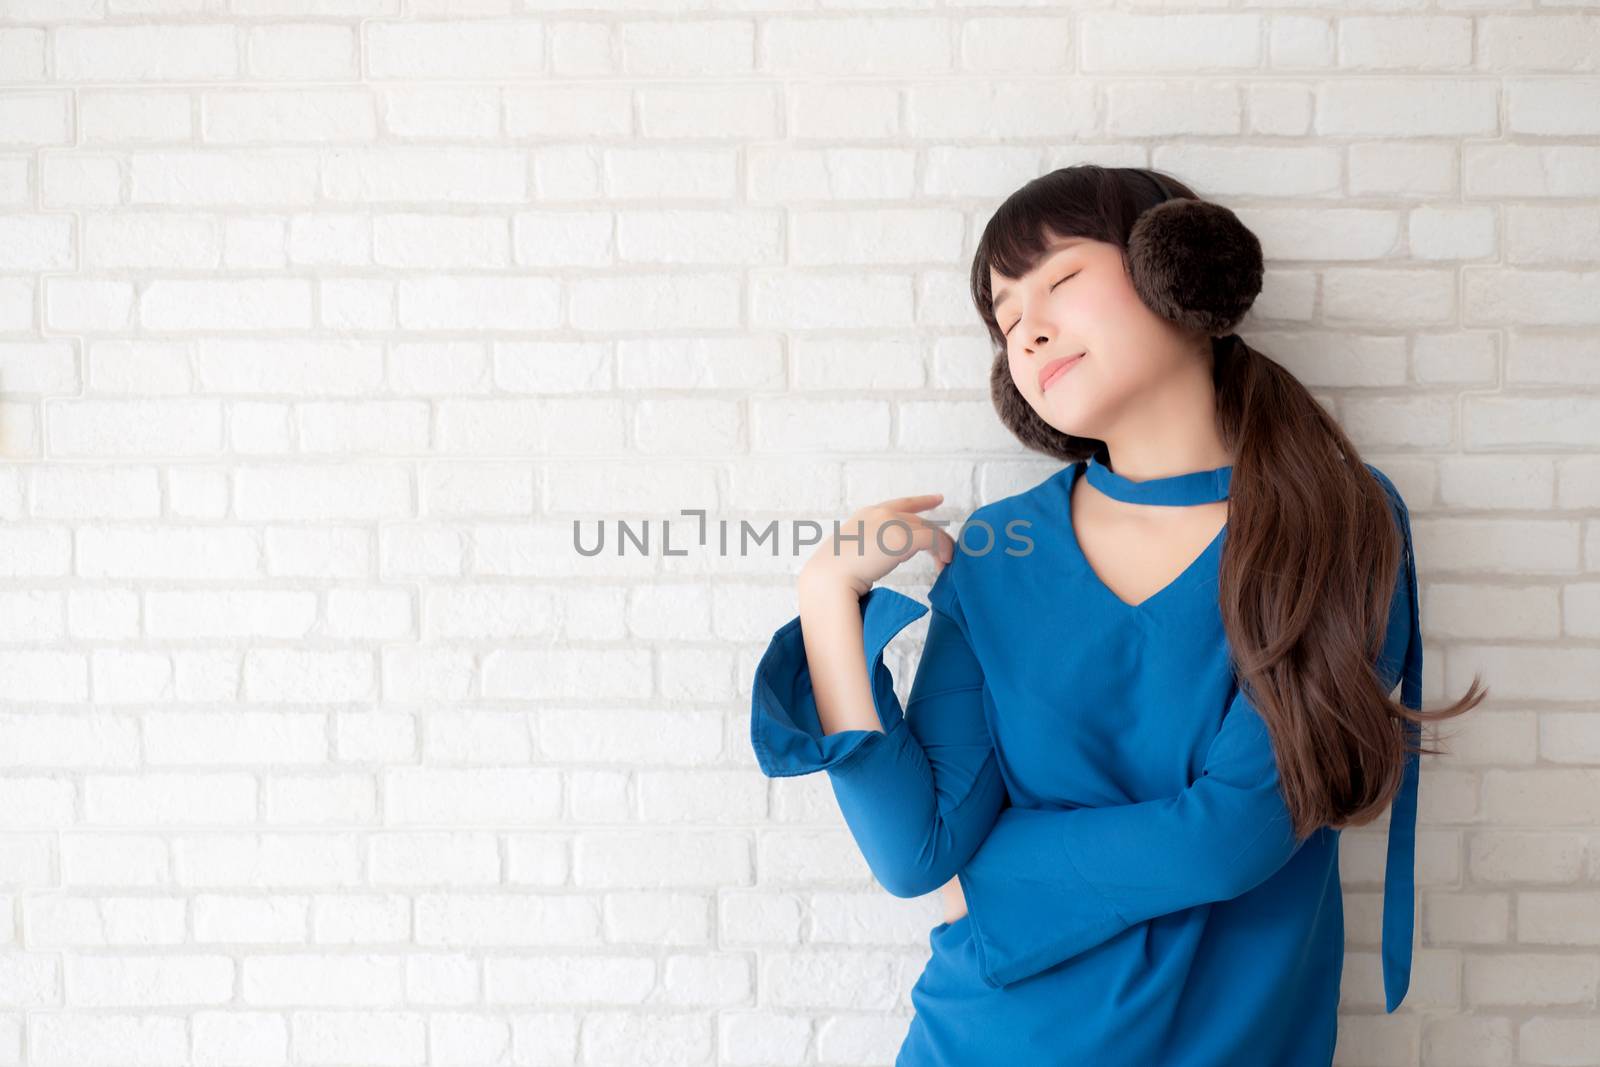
(919, 794)
(1047, 884)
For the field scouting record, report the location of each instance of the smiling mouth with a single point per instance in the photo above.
(1056, 368)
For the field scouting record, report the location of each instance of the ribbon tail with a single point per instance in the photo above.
(1399, 879)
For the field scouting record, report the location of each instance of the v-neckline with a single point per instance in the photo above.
(1183, 578)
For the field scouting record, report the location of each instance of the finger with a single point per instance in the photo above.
(903, 538)
(917, 522)
(921, 502)
(937, 543)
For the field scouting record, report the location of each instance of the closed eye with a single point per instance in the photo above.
(1013, 326)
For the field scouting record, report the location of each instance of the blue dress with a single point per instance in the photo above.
(1108, 798)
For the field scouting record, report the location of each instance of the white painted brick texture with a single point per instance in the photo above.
(320, 323)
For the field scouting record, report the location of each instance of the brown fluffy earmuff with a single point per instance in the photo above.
(1193, 263)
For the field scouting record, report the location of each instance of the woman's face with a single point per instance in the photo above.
(1079, 299)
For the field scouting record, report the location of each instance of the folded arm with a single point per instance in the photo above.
(1046, 885)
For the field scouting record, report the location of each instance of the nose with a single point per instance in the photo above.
(1040, 334)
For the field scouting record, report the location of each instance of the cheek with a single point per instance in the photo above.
(1121, 334)
(1025, 374)
(1111, 300)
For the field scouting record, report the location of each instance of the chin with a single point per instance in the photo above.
(1059, 397)
(1058, 414)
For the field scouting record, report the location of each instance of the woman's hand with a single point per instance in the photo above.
(874, 541)
(955, 901)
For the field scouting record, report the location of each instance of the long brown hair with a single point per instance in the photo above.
(1313, 552)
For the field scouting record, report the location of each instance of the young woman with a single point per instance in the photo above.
(1154, 687)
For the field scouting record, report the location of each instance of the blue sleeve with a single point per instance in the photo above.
(1048, 884)
(922, 792)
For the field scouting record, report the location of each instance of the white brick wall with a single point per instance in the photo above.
(321, 321)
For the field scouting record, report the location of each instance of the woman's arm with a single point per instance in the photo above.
(919, 787)
(1048, 884)
(831, 630)
(955, 902)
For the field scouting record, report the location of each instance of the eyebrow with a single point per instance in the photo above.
(1068, 242)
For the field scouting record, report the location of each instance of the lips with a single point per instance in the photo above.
(1055, 369)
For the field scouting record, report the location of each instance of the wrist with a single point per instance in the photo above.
(822, 585)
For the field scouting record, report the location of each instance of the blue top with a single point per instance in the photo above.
(1109, 799)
